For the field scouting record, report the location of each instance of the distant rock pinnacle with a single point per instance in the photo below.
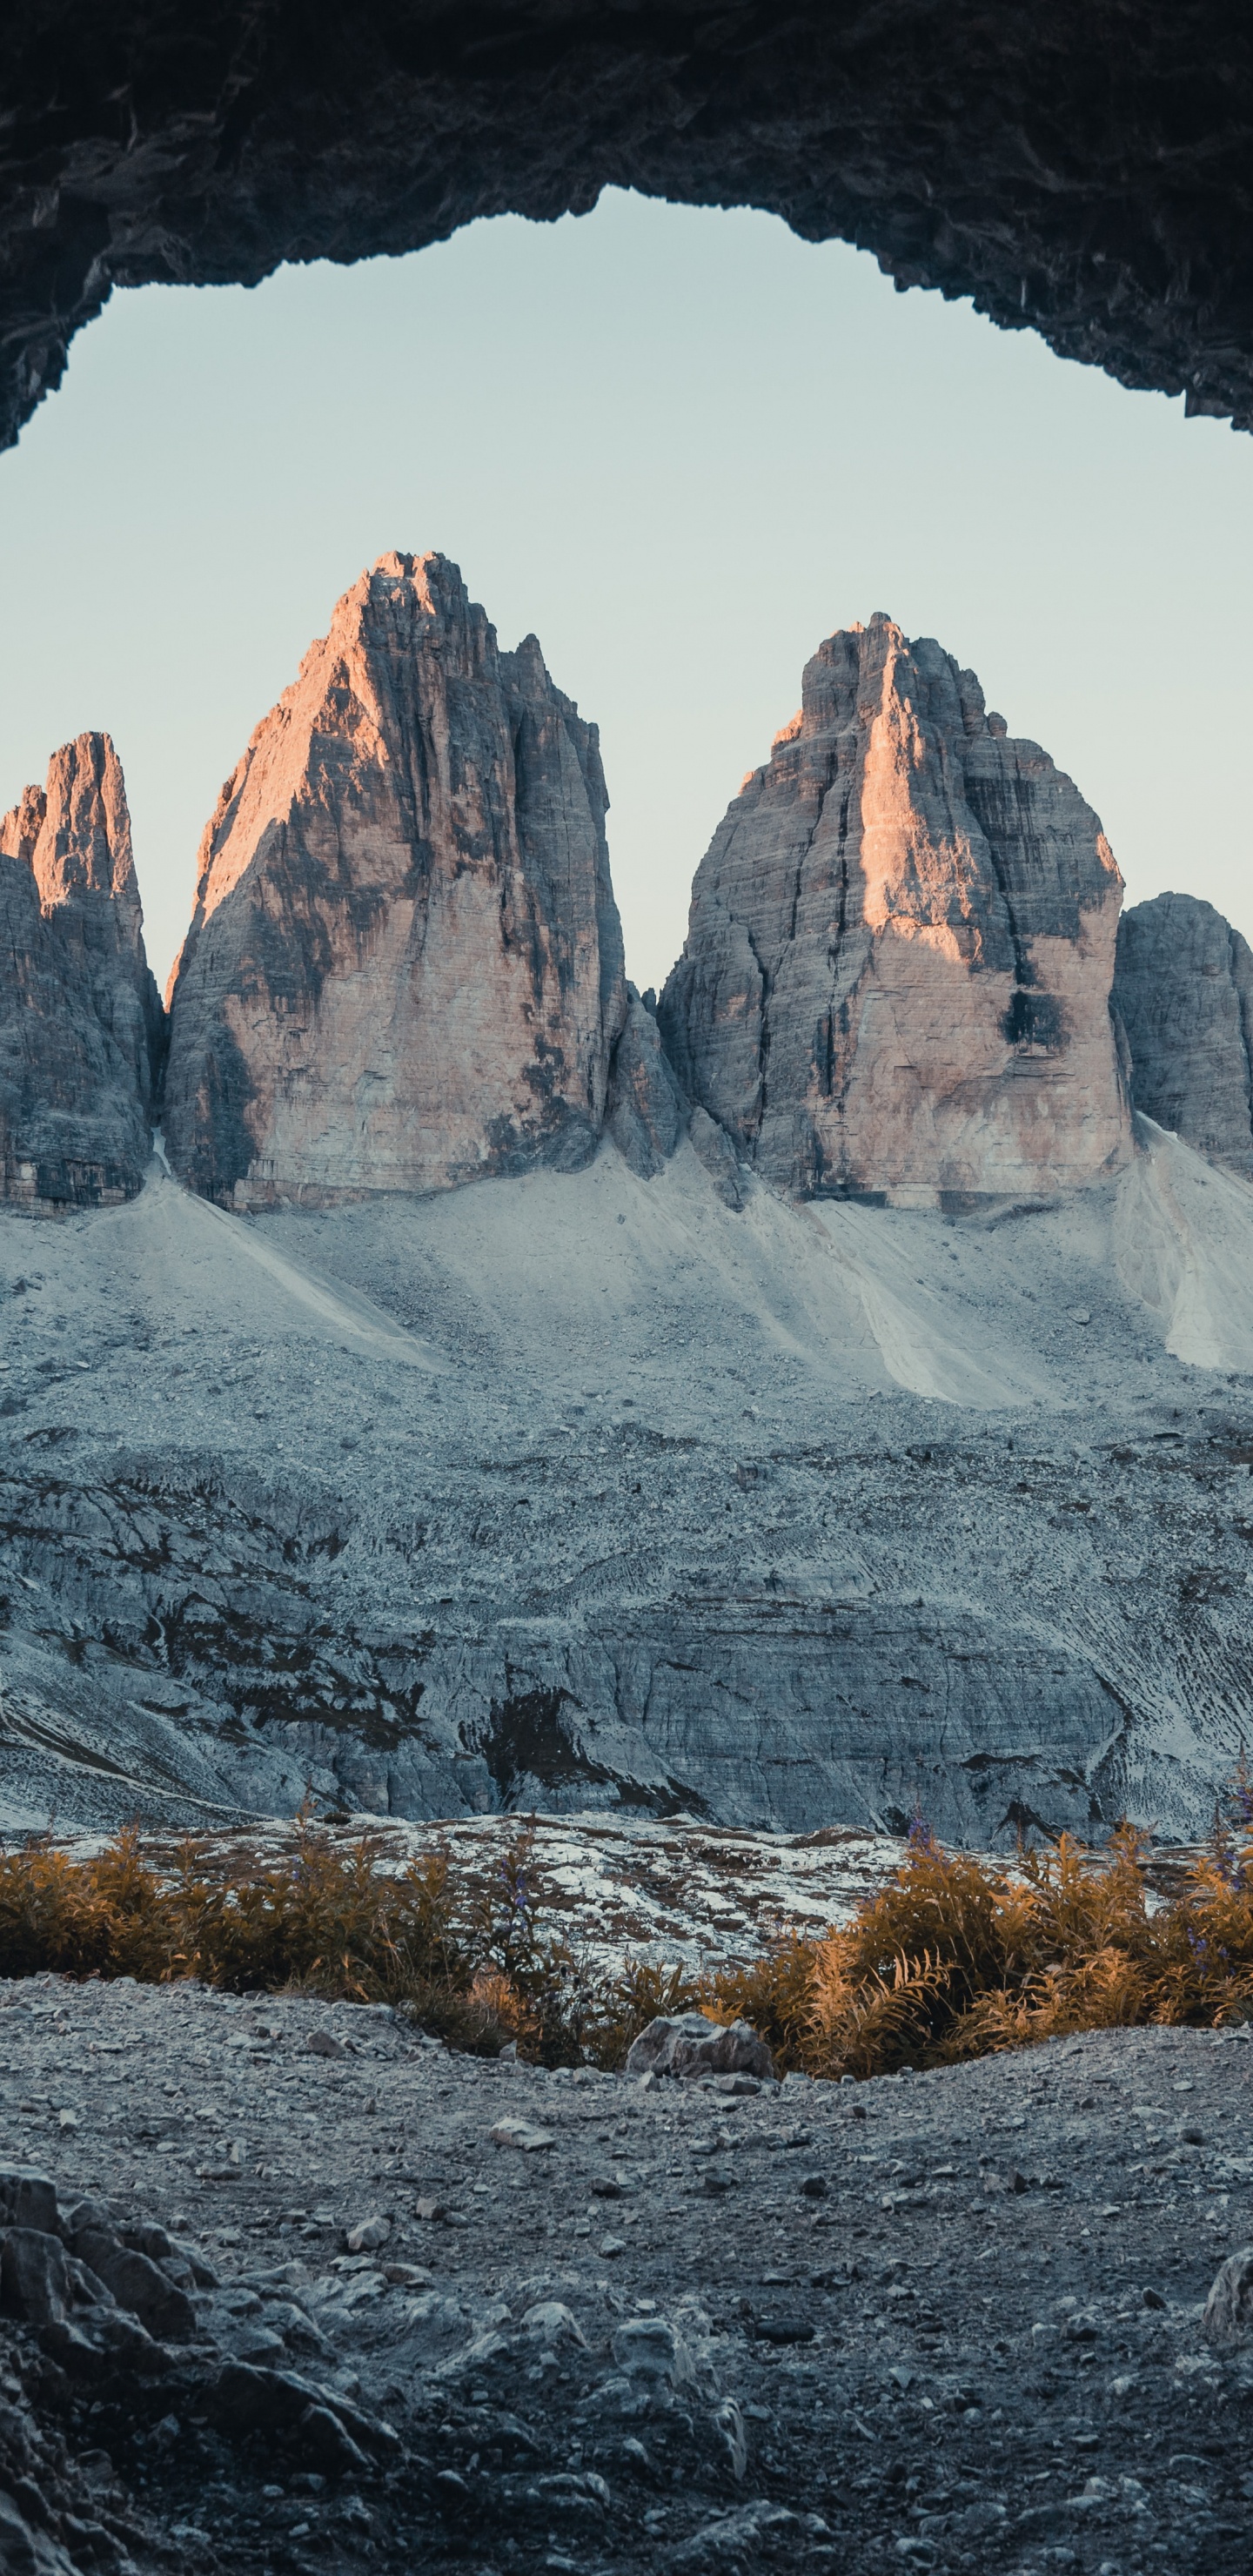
(1184, 988)
(901, 942)
(80, 1017)
(404, 968)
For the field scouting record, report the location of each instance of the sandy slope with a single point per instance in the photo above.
(575, 1490)
(1183, 1237)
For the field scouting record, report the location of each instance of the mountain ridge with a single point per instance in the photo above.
(644, 1474)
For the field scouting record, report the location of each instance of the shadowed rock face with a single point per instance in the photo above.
(1081, 169)
(901, 941)
(644, 1113)
(404, 968)
(1184, 989)
(80, 1017)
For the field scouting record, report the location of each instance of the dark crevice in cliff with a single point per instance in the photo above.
(835, 952)
(1244, 1005)
(1032, 1020)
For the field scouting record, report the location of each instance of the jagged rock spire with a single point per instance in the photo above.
(80, 1017)
(1184, 989)
(404, 967)
(897, 971)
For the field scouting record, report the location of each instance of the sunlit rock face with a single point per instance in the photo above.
(900, 948)
(80, 1016)
(404, 968)
(1184, 988)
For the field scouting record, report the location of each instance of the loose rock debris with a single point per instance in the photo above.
(374, 2338)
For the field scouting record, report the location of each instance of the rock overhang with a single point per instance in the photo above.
(1081, 171)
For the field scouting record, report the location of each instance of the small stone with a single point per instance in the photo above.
(367, 2234)
(522, 2134)
(430, 2210)
(552, 2324)
(323, 2043)
(814, 2187)
(1152, 2299)
(611, 2246)
(717, 2179)
(690, 2044)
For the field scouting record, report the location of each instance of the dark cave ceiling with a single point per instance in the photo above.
(1084, 170)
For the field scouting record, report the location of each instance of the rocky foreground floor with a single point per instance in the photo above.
(411, 2308)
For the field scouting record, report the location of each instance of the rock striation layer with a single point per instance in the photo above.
(80, 1017)
(404, 968)
(900, 948)
(1183, 987)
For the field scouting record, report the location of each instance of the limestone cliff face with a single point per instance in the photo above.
(404, 968)
(1183, 986)
(900, 949)
(80, 1017)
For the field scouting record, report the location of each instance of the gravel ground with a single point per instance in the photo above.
(950, 2321)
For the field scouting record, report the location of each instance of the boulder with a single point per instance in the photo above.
(525, 2135)
(368, 2234)
(35, 2277)
(81, 1024)
(688, 2044)
(27, 2551)
(137, 2283)
(897, 972)
(243, 2399)
(1228, 2317)
(650, 2348)
(404, 968)
(27, 2199)
(1183, 987)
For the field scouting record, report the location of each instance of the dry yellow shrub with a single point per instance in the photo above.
(952, 1959)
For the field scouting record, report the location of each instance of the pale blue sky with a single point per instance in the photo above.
(681, 446)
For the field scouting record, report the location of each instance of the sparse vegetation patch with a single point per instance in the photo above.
(952, 1959)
